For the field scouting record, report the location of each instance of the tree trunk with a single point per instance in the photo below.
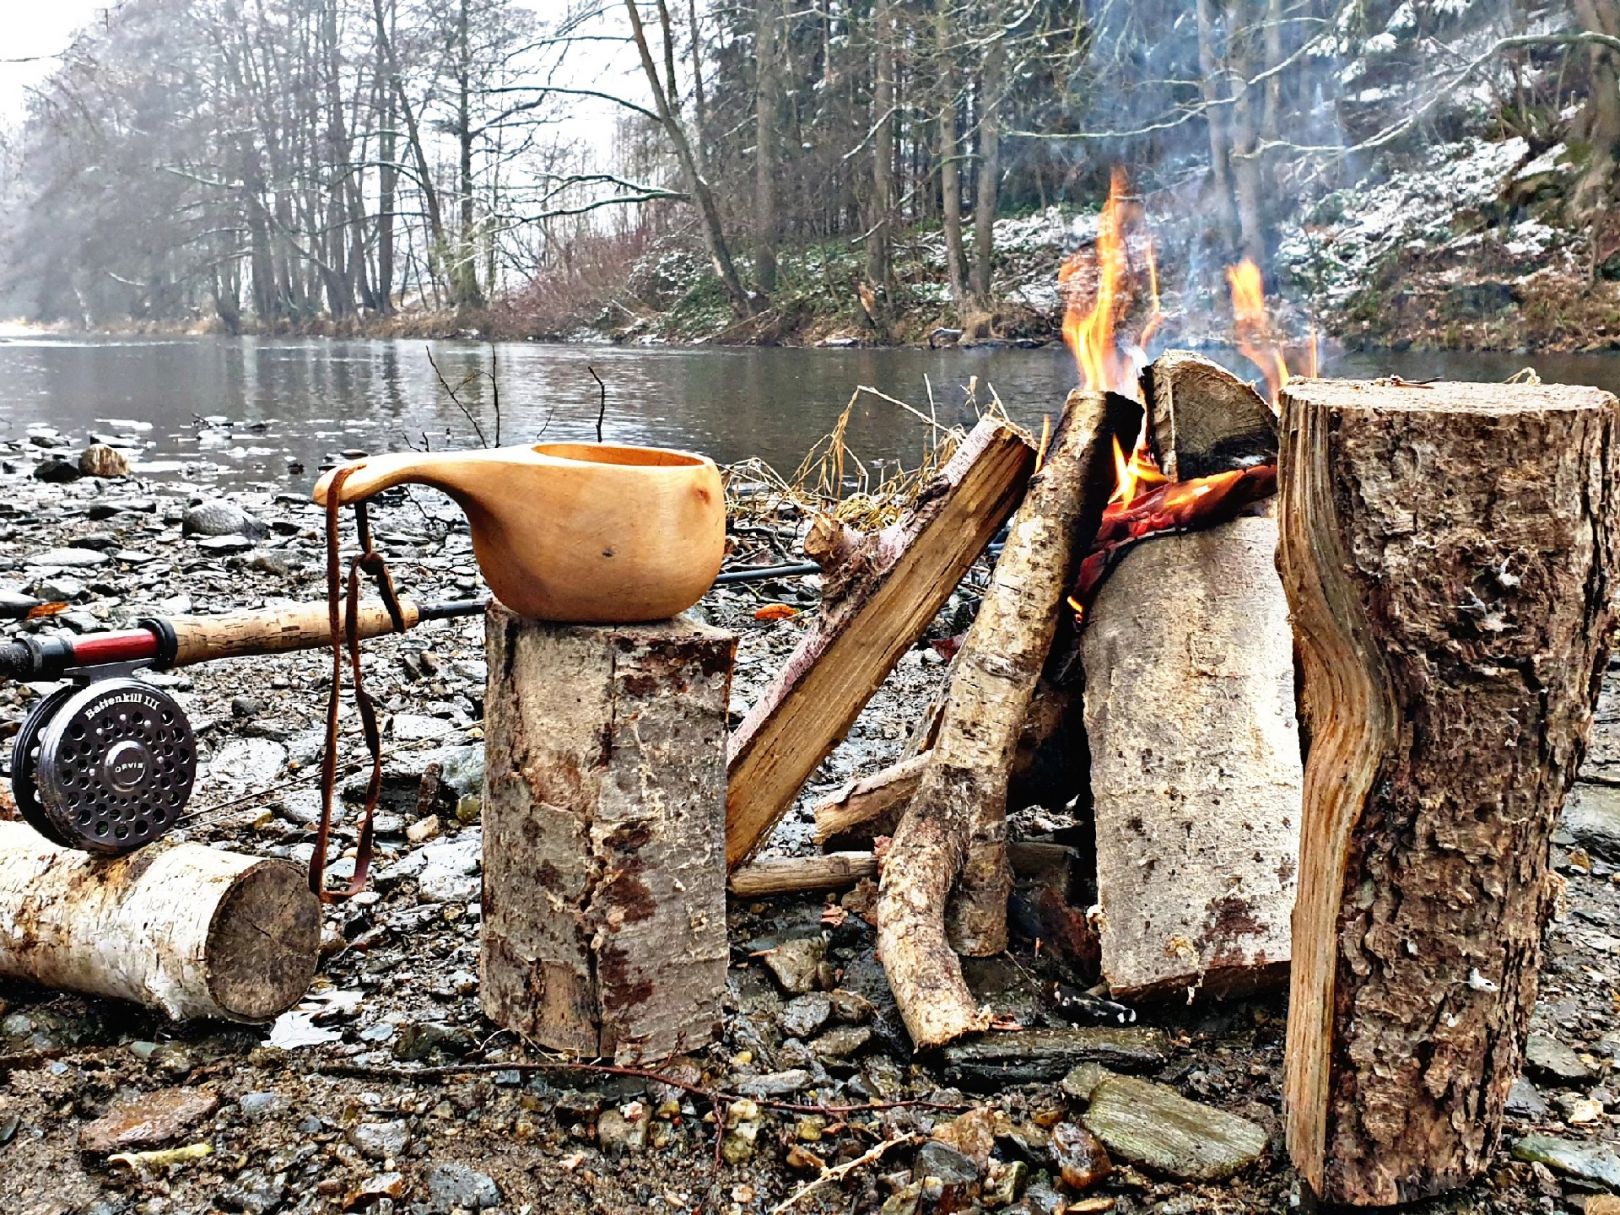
(989, 170)
(413, 134)
(1600, 121)
(1195, 763)
(956, 822)
(892, 584)
(464, 277)
(950, 163)
(1450, 558)
(387, 174)
(767, 85)
(189, 930)
(604, 930)
(666, 98)
(1217, 117)
(879, 271)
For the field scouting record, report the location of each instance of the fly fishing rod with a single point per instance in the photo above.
(106, 762)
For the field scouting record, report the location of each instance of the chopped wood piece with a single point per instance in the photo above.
(874, 803)
(1450, 557)
(189, 930)
(1202, 419)
(800, 874)
(1027, 1056)
(956, 822)
(1195, 763)
(907, 573)
(604, 929)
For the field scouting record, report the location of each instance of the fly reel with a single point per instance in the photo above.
(104, 767)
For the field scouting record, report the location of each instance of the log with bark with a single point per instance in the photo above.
(955, 825)
(801, 874)
(1450, 556)
(186, 929)
(891, 584)
(604, 914)
(1203, 419)
(1195, 762)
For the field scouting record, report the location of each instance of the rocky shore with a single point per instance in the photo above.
(386, 1091)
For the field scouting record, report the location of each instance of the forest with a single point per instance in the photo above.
(485, 165)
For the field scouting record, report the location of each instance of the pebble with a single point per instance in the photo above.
(147, 1120)
(256, 1105)
(1591, 1162)
(1081, 1158)
(935, 1159)
(774, 1084)
(837, 1045)
(224, 546)
(1153, 1125)
(381, 1140)
(454, 1187)
(68, 558)
(217, 517)
(805, 1014)
(795, 963)
(618, 1134)
(1550, 1059)
(450, 870)
(973, 1134)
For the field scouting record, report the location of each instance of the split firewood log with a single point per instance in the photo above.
(905, 575)
(955, 824)
(1203, 419)
(1451, 554)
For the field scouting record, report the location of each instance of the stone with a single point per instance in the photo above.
(617, 1134)
(1549, 1059)
(68, 558)
(842, 1043)
(1153, 1125)
(852, 1007)
(99, 460)
(424, 829)
(795, 963)
(1603, 1204)
(1030, 1055)
(248, 762)
(805, 1014)
(456, 1187)
(1004, 1181)
(1592, 819)
(147, 1120)
(258, 1105)
(1591, 1162)
(973, 1134)
(56, 471)
(381, 1140)
(421, 1039)
(935, 1159)
(1082, 1080)
(450, 870)
(774, 1084)
(224, 546)
(1082, 1160)
(1525, 1101)
(217, 517)
(740, 1142)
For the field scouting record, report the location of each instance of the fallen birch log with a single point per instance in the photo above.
(892, 584)
(186, 929)
(1195, 762)
(1450, 556)
(955, 824)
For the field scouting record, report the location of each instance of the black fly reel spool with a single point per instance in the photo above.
(104, 767)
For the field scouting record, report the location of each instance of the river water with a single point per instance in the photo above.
(302, 400)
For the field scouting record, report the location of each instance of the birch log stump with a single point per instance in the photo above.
(604, 928)
(1449, 553)
(1195, 762)
(189, 930)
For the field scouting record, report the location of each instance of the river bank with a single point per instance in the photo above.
(326, 1110)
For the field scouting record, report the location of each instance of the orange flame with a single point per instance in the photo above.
(1252, 326)
(1092, 333)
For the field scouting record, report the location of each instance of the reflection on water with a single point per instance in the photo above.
(292, 399)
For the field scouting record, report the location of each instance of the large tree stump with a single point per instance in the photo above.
(1195, 762)
(955, 825)
(888, 586)
(1449, 553)
(604, 930)
(190, 930)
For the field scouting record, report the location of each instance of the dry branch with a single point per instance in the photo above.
(801, 874)
(1450, 556)
(956, 822)
(906, 573)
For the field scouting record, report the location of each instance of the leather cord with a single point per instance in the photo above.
(343, 619)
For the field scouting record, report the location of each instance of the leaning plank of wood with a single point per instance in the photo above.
(604, 930)
(801, 874)
(190, 930)
(1203, 419)
(1195, 762)
(906, 574)
(1450, 556)
(956, 822)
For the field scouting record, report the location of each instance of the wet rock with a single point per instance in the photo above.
(795, 963)
(805, 1014)
(851, 1007)
(841, 1044)
(1591, 1162)
(224, 546)
(455, 1187)
(774, 1084)
(381, 1140)
(973, 1134)
(259, 1105)
(1550, 1059)
(1030, 1055)
(1153, 1125)
(99, 460)
(949, 1166)
(618, 1133)
(1082, 1160)
(147, 1120)
(68, 558)
(217, 517)
(254, 1193)
(56, 471)
(422, 1039)
(1524, 1101)
(1592, 819)
(1003, 1183)
(450, 871)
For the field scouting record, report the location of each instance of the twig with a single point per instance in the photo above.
(839, 1172)
(467, 413)
(601, 407)
(495, 389)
